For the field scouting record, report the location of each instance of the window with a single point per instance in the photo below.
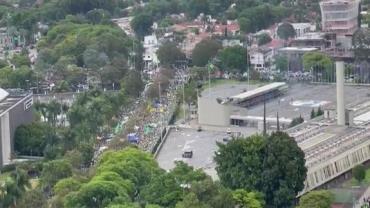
(28, 103)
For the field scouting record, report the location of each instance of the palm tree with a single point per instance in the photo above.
(13, 188)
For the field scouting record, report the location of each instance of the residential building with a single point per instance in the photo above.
(257, 60)
(15, 110)
(340, 17)
(232, 28)
(294, 55)
(303, 28)
(260, 58)
(150, 51)
(9, 41)
(231, 43)
(319, 40)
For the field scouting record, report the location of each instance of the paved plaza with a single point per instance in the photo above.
(203, 145)
(299, 99)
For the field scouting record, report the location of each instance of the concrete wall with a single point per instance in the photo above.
(5, 139)
(210, 112)
(18, 116)
(9, 122)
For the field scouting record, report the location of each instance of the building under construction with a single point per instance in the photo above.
(341, 18)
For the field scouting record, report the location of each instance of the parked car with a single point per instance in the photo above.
(187, 154)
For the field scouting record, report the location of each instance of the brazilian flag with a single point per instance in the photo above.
(210, 67)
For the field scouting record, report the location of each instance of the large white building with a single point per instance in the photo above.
(228, 107)
(15, 109)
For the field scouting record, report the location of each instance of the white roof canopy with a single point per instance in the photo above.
(3, 94)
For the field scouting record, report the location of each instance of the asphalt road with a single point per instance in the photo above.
(203, 145)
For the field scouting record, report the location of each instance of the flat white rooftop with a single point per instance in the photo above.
(363, 118)
(258, 91)
(3, 94)
(297, 49)
(311, 36)
(260, 118)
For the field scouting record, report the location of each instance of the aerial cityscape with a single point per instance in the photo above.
(184, 104)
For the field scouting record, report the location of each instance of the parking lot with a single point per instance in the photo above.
(203, 145)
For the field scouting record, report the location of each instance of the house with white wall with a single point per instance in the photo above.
(150, 51)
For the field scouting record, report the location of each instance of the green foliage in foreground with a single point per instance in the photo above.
(359, 172)
(273, 165)
(317, 199)
(131, 177)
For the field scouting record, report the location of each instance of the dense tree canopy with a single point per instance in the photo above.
(69, 48)
(204, 51)
(55, 170)
(22, 77)
(30, 139)
(317, 60)
(20, 60)
(248, 199)
(359, 172)
(272, 165)
(361, 43)
(319, 199)
(281, 63)
(130, 177)
(233, 59)
(13, 187)
(263, 39)
(169, 53)
(253, 19)
(133, 84)
(141, 24)
(286, 31)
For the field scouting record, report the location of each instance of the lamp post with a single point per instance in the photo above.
(183, 98)
(210, 67)
(248, 71)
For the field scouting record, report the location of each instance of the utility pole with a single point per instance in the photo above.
(248, 71)
(183, 98)
(277, 121)
(210, 66)
(264, 117)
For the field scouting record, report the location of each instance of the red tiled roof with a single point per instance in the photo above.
(231, 27)
(275, 43)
